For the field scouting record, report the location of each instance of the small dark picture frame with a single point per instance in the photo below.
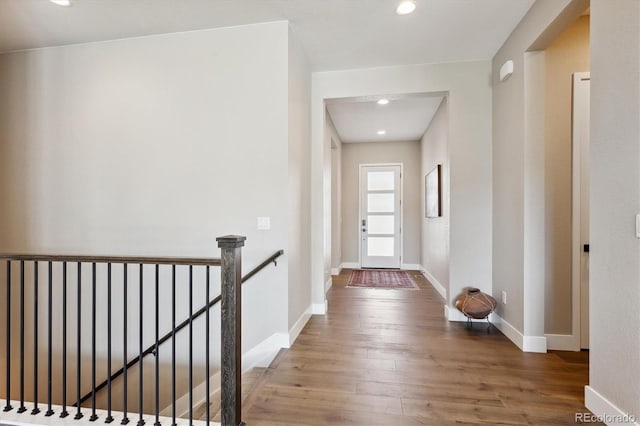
(433, 192)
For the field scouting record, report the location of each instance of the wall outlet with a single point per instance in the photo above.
(504, 297)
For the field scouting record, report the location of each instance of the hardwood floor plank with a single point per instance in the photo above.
(388, 357)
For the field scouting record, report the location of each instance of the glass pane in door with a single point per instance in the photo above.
(380, 181)
(380, 246)
(381, 224)
(380, 203)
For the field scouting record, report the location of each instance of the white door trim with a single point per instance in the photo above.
(576, 202)
(359, 228)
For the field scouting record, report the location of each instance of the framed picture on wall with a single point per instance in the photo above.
(433, 192)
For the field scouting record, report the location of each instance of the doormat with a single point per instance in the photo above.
(374, 278)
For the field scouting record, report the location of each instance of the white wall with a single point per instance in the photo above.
(615, 200)
(299, 182)
(406, 153)
(470, 158)
(435, 231)
(156, 146)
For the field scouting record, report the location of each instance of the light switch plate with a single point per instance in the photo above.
(638, 226)
(264, 223)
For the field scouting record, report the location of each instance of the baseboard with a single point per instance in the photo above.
(350, 265)
(260, 355)
(295, 330)
(319, 308)
(328, 284)
(410, 266)
(510, 331)
(264, 352)
(182, 403)
(434, 282)
(536, 344)
(562, 342)
(604, 410)
(336, 271)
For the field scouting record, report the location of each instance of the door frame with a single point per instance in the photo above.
(576, 225)
(359, 228)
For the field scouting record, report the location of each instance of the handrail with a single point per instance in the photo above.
(145, 260)
(271, 259)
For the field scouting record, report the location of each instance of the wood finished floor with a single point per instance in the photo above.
(388, 357)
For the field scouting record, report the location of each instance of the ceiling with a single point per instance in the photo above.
(403, 118)
(336, 34)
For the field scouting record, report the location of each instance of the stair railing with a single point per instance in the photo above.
(230, 270)
(151, 350)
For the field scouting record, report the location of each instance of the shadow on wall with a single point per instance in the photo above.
(16, 179)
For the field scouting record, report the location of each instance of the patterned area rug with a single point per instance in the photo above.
(373, 278)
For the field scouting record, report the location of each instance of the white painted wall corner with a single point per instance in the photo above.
(264, 352)
(319, 308)
(260, 355)
(434, 282)
(606, 410)
(297, 328)
(336, 271)
(536, 344)
(328, 284)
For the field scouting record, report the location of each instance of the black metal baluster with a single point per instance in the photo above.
(207, 390)
(35, 410)
(64, 412)
(190, 344)
(140, 350)
(157, 348)
(125, 419)
(78, 415)
(8, 406)
(22, 408)
(49, 340)
(109, 418)
(93, 417)
(173, 345)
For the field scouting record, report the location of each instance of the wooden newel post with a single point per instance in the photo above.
(231, 324)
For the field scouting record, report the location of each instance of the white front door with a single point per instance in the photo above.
(380, 216)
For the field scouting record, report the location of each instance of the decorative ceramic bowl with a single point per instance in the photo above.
(473, 303)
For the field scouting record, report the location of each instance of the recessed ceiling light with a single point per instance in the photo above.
(383, 101)
(61, 2)
(381, 132)
(406, 7)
